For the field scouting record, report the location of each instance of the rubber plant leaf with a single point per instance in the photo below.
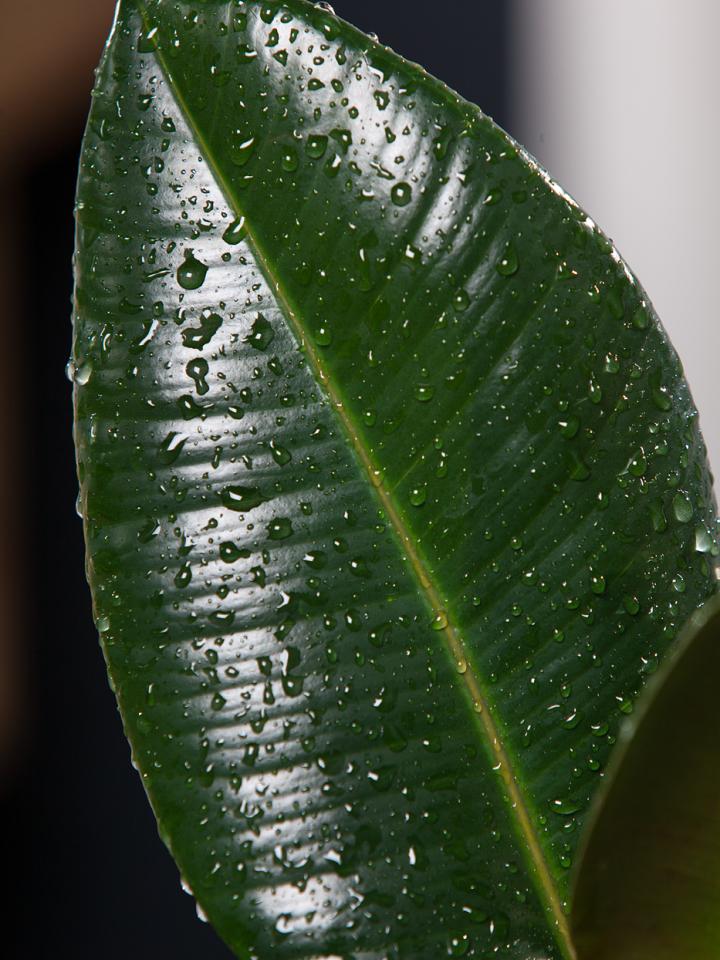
(651, 861)
(393, 490)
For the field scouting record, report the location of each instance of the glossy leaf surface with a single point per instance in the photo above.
(393, 490)
(652, 860)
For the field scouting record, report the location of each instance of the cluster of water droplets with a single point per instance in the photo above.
(356, 458)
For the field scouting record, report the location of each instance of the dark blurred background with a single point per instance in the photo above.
(91, 878)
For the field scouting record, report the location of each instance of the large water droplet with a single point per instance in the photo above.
(401, 194)
(261, 335)
(280, 529)
(191, 273)
(241, 499)
(236, 232)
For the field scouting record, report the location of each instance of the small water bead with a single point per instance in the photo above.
(192, 272)
(508, 263)
(324, 5)
(401, 194)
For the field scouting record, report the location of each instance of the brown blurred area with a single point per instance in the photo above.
(48, 51)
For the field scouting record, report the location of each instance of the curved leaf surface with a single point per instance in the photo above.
(651, 860)
(393, 489)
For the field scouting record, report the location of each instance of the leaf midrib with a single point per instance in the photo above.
(467, 672)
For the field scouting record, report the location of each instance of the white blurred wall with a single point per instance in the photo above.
(620, 100)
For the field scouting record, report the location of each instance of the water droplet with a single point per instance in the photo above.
(569, 427)
(191, 273)
(241, 499)
(230, 552)
(262, 334)
(458, 946)
(682, 508)
(316, 146)
(641, 320)
(201, 915)
(280, 529)
(236, 232)
(401, 194)
(323, 336)
(197, 370)
(183, 577)
(242, 147)
(424, 392)
(440, 621)
(461, 300)
(324, 5)
(418, 496)
(280, 454)
(638, 465)
(597, 583)
(218, 701)
(79, 373)
(565, 808)
(289, 159)
(103, 624)
(171, 448)
(508, 263)
(632, 605)
(198, 337)
(703, 540)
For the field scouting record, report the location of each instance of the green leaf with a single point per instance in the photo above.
(651, 860)
(393, 489)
